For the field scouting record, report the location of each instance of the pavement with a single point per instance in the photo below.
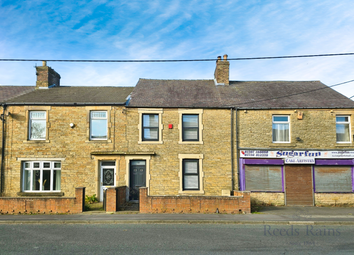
(262, 215)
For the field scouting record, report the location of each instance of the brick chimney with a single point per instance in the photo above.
(221, 73)
(46, 77)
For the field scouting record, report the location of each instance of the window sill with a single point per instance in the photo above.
(36, 141)
(150, 142)
(344, 145)
(190, 142)
(98, 141)
(282, 145)
(40, 194)
(190, 192)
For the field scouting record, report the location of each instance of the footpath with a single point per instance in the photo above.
(264, 215)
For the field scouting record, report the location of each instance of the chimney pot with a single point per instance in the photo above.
(225, 57)
(44, 63)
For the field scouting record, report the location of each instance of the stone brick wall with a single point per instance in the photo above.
(69, 145)
(165, 164)
(29, 205)
(267, 198)
(317, 129)
(221, 73)
(341, 199)
(115, 198)
(239, 203)
(46, 76)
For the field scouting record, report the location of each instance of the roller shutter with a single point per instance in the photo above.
(298, 185)
(263, 178)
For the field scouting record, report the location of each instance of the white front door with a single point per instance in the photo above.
(108, 176)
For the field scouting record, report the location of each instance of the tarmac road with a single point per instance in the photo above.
(175, 239)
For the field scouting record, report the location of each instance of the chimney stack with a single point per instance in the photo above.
(221, 73)
(46, 77)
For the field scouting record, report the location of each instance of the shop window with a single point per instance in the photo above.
(263, 178)
(333, 179)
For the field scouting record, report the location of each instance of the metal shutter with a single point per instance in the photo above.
(333, 179)
(298, 185)
(263, 178)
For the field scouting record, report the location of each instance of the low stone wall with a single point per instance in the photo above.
(115, 198)
(340, 199)
(18, 205)
(267, 198)
(238, 203)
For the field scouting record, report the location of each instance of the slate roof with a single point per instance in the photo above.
(240, 94)
(75, 96)
(9, 92)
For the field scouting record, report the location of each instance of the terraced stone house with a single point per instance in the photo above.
(180, 145)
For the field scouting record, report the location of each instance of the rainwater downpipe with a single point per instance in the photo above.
(2, 149)
(232, 148)
(237, 153)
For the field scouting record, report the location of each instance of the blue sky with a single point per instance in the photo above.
(185, 29)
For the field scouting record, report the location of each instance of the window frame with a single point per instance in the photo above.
(194, 157)
(41, 168)
(30, 124)
(190, 174)
(181, 127)
(184, 128)
(344, 123)
(281, 122)
(150, 127)
(98, 118)
(152, 111)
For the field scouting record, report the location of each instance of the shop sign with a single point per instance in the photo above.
(299, 161)
(295, 154)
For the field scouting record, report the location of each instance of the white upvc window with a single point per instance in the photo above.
(98, 125)
(281, 129)
(343, 129)
(37, 125)
(41, 176)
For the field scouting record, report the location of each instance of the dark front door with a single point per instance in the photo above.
(298, 185)
(137, 178)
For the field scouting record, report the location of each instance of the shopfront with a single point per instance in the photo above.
(303, 177)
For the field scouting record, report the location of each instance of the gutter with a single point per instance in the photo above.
(69, 104)
(2, 150)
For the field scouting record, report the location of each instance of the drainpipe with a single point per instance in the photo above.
(237, 153)
(232, 148)
(2, 150)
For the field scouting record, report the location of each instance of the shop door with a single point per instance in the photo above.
(298, 185)
(137, 178)
(108, 176)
